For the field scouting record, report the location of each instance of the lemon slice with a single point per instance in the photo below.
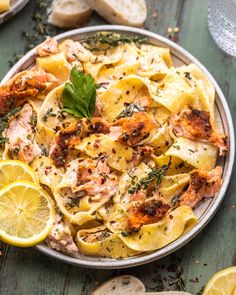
(26, 214)
(12, 170)
(222, 283)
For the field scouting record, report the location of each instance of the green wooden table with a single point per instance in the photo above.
(26, 271)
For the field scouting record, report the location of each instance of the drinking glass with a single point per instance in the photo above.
(222, 24)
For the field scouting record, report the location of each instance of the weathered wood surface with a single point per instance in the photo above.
(25, 271)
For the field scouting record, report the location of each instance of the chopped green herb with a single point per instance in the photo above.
(130, 110)
(79, 96)
(155, 175)
(187, 75)
(176, 147)
(44, 150)
(200, 291)
(74, 202)
(48, 113)
(159, 285)
(125, 233)
(111, 39)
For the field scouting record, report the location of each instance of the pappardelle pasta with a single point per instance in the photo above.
(125, 143)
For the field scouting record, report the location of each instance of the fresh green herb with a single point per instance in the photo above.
(125, 233)
(130, 110)
(187, 75)
(200, 291)
(44, 150)
(176, 147)
(40, 29)
(175, 200)
(159, 285)
(79, 96)
(74, 202)
(48, 113)
(111, 39)
(4, 124)
(180, 283)
(155, 175)
(15, 151)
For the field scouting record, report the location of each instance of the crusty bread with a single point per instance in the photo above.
(122, 285)
(128, 285)
(69, 13)
(124, 12)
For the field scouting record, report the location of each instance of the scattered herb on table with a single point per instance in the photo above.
(39, 29)
(111, 39)
(155, 175)
(79, 96)
(159, 285)
(200, 291)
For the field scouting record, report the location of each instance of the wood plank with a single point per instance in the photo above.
(215, 246)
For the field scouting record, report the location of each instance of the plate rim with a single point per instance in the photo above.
(108, 263)
(14, 9)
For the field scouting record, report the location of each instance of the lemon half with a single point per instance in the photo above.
(26, 214)
(222, 283)
(12, 170)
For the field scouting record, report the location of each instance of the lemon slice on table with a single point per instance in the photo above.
(222, 283)
(26, 214)
(12, 170)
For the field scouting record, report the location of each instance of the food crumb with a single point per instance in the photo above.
(232, 206)
(154, 15)
(173, 33)
(196, 261)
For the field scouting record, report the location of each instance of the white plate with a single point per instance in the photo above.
(206, 211)
(16, 6)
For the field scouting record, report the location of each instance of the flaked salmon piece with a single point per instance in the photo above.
(36, 79)
(143, 101)
(195, 124)
(147, 212)
(23, 86)
(203, 185)
(140, 153)
(98, 108)
(48, 47)
(10, 99)
(73, 48)
(95, 178)
(132, 130)
(60, 238)
(65, 140)
(20, 134)
(99, 125)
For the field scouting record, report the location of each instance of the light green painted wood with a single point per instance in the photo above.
(25, 271)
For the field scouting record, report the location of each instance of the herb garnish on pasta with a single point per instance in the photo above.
(79, 96)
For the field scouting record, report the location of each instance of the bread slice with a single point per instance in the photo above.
(122, 285)
(128, 285)
(123, 12)
(69, 13)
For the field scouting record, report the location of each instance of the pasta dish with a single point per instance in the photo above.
(124, 142)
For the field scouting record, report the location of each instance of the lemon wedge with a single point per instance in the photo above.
(12, 170)
(26, 214)
(222, 283)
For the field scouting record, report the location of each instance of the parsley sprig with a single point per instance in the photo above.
(79, 96)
